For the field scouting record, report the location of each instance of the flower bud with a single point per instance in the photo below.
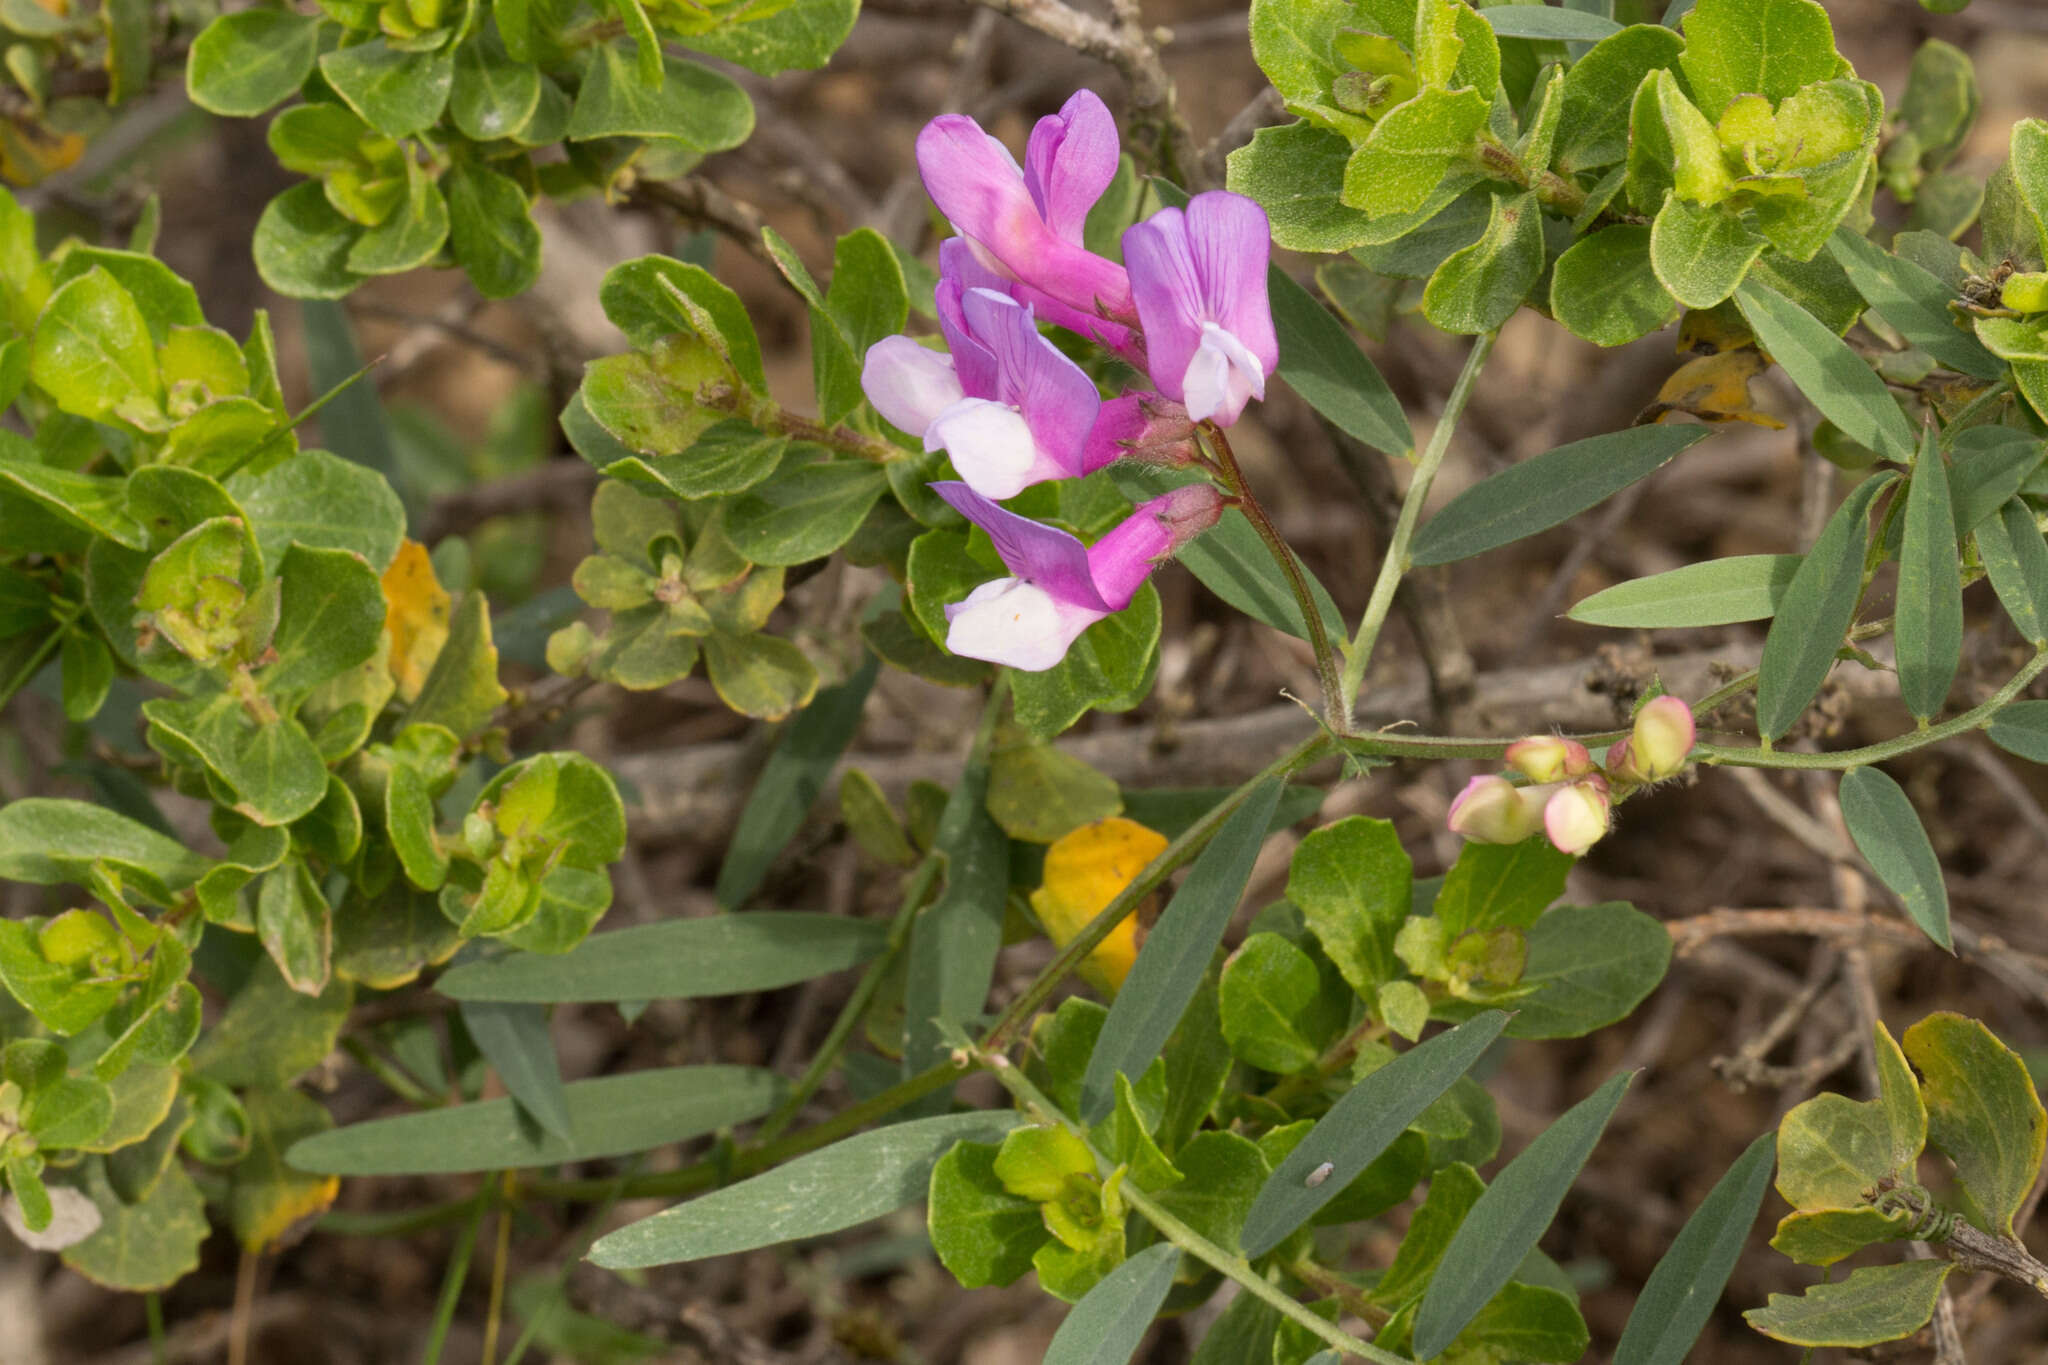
(1576, 816)
(1661, 740)
(1188, 511)
(1549, 758)
(1493, 810)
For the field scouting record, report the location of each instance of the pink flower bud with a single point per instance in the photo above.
(1576, 816)
(1662, 738)
(1493, 810)
(1549, 758)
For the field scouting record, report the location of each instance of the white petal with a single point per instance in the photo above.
(990, 444)
(1018, 624)
(1222, 376)
(909, 384)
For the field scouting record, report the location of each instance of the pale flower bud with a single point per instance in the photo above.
(1576, 816)
(1493, 810)
(1549, 758)
(1662, 738)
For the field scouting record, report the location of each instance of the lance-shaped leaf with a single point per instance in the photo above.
(1928, 626)
(608, 1116)
(1834, 378)
(677, 960)
(790, 782)
(514, 1039)
(1504, 1224)
(1363, 1124)
(1888, 833)
(1913, 301)
(1177, 953)
(837, 1187)
(1815, 614)
(1715, 592)
(1105, 1327)
(2022, 729)
(1681, 1292)
(2016, 560)
(1547, 489)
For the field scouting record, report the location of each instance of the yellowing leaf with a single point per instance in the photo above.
(30, 152)
(1084, 871)
(416, 617)
(1713, 388)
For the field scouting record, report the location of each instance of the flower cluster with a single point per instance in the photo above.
(1188, 309)
(1568, 797)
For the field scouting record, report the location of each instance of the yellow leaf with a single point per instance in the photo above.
(1084, 871)
(416, 617)
(1713, 388)
(31, 152)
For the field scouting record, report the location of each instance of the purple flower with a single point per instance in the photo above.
(1026, 221)
(1006, 404)
(1059, 587)
(1199, 278)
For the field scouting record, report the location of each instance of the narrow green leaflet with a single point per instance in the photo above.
(1815, 613)
(1834, 378)
(954, 940)
(1928, 626)
(790, 782)
(1362, 1124)
(1914, 302)
(1177, 952)
(838, 1187)
(1321, 362)
(1876, 1303)
(1540, 22)
(1982, 1110)
(515, 1040)
(1547, 489)
(608, 1116)
(1505, 1223)
(1107, 1325)
(1888, 833)
(1715, 592)
(677, 959)
(1681, 1292)
(2020, 729)
(1989, 465)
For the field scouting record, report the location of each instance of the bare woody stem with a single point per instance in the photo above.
(1395, 564)
(1327, 666)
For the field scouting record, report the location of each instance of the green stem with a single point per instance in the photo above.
(1034, 1101)
(1395, 564)
(1976, 717)
(1328, 670)
(394, 1079)
(915, 893)
(1173, 856)
(42, 655)
(458, 1271)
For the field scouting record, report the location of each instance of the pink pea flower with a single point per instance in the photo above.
(1199, 279)
(1548, 758)
(1026, 222)
(1493, 810)
(1577, 815)
(1009, 408)
(1058, 587)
